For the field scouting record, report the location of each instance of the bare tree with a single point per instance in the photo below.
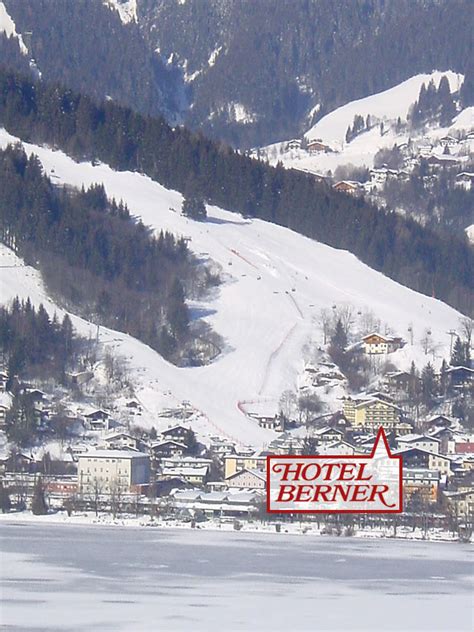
(344, 313)
(368, 322)
(467, 326)
(288, 404)
(309, 406)
(116, 497)
(325, 318)
(425, 341)
(96, 493)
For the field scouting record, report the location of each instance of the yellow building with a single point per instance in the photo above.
(235, 463)
(371, 413)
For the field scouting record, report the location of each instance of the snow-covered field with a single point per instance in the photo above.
(387, 107)
(266, 310)
(59, 577)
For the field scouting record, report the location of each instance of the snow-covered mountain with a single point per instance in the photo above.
(384, 109)
(266, 310)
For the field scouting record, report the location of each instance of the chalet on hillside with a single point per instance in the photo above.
(460, 375)
(123, 441)
(178, 433)
(328, 435)
(168, 449)
(97, 420)
(317, 146)
(398, 380)
(376, 343)
(347, 186)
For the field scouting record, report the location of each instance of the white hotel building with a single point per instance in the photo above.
(102, 469)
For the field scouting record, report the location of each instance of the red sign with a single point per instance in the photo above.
(368, 483)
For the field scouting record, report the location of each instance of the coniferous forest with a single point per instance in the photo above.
(442, 266)
(94, 256)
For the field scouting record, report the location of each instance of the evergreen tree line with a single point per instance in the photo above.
(32, 344)
(434, 103)
(92, 254)
(443, 205)
(180, 160)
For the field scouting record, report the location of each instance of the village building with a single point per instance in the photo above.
(336, 448)
(431, 444)
(168, 449)
(350, 187)
(398, 381)
(269, 422)
(460, 376)
(217, 504)
(295, 143)
(424, 483)
(188, 461)
(123, 441)
(61, 486)
(328, 435)
(78, 378)
(247, 479)
(422, 459)
(235, 463)
(105, 469)
(193, 475)
(286, 444)
(178, 433)
(448, 141)
(462, 503)
(221, 447)
(317, 146)
(465, 179)
(371, 413)
(376, 343)
(97, 421)
(464, 447)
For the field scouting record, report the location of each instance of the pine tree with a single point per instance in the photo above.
(194, 208)
(339, 337)
(428, 384)
(5, 504)
(443, 378)
(458, 356)
(38, 503)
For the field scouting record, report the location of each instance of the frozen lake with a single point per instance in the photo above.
(66, 577)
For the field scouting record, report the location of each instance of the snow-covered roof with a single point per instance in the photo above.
(185, 471)
(113, 454)
(410, 438)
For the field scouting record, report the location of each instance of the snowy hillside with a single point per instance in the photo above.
(275, 283)
(385, 107)
(7, 26)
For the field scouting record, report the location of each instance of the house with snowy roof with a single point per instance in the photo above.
(376, 343)
(247, 479)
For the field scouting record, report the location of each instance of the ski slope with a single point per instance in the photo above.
(275, 283)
